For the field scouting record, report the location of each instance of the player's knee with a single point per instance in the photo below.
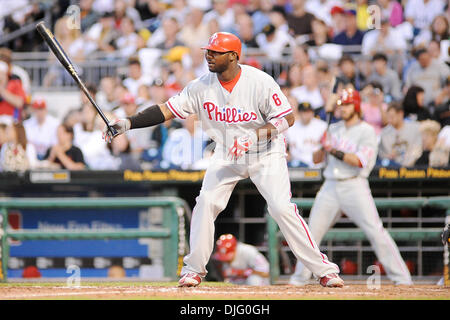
(280, 209)
(207, 199)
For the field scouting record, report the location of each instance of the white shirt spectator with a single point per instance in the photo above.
(274, 49)
(95, 153)
(226, 21)
(304, 140)
(444, 135)
(41, 136)
(423, 13)
(393, 41)
(302, 94)
(322, 9)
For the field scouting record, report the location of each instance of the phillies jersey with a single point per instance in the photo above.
(255, 99)
(359, 139)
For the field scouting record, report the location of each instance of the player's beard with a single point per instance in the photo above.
(217, 68)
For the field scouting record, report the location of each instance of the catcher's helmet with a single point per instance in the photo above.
(224, 42)
(225, 247)
(350, 96)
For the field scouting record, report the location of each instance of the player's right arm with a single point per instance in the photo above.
(151, 116)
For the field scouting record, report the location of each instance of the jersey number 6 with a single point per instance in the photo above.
(276, 99)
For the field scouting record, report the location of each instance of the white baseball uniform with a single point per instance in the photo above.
(248, 257)
(346, 188)
(255, 99)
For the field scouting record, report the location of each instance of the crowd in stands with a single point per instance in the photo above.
(396, 53)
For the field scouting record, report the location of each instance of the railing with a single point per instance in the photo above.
(355, 234)
(172, 229)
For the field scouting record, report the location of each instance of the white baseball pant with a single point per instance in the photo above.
(269, 173)
(355, 199)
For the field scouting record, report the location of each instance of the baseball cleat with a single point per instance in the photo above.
(331, 280)
(190, 279)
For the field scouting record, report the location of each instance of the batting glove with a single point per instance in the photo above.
(121, 125)
(241, 145)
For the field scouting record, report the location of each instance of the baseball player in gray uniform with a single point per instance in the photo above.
(350, 147)
(244, 111)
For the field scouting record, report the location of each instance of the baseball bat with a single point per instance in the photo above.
(62, 57)
(334, 87)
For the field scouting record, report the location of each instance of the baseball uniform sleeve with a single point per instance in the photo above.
(367, 148)
(277, 105)
(184, 103)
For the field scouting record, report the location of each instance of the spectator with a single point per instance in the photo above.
(87, 134)
(195, 62)
(273, 42)
(420, 13)
(303, 138)
(321, 9)
(442, 111)
(400, 141)
(241, 263)
(16, 153)
(158, 92)
(434, 154)
(428, 74)
(87, 14)
(17, 72)
(320, 34)
(309, 91)
(178, 10)
(349, 74)
(222, 14)
(135, 77)
(159, 138)
(362, 15)
(72, 117)
(261, 17)
(177, 77)
(386, 76)
(63, 154)
(338, 20)
(374, 109)
(149, 11)
(413, 104)
(121, 10)
(295, 77)
(184, 147)
(245, 31)
(195, 32)
(12, 95)
(438, 30)
(120, 148)
(74, 45)
(386, 39)
(167, 36)
(102, 36)
(139, 139)
(41, 128)
(106, 96)
(129, 41)
(444, 137)
(351, 35)
(299, 20)
(391, 10)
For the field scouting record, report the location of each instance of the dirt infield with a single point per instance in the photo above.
(219, 291)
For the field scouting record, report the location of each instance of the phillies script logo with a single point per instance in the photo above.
(229, 115)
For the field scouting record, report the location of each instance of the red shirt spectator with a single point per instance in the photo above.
(12, 95)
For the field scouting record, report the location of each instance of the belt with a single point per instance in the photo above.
(262, 148)
(345, 179)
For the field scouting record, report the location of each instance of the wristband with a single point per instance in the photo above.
(146, 118)
(337, 154)
(280, 124)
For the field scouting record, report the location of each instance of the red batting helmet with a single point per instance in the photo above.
(224, 42)
(225, 247)
(350, 96)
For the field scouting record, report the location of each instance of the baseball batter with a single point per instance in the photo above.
(351, 149)
(241, 263)
(244, 111)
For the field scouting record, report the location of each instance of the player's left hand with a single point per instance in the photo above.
(240, 146)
